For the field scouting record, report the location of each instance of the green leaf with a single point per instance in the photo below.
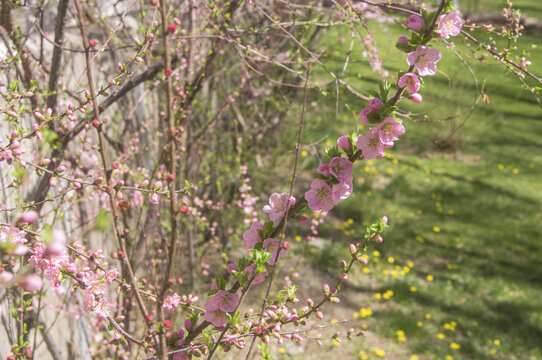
(101, 223)
(451, 6)
(373, 117)
(333, 152)
(207, 339)
(19, 172)
(268, 229)
(373, 93)
(404, 47)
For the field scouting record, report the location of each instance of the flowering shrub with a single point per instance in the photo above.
(125, 135)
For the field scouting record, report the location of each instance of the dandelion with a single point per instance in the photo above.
(379, 352)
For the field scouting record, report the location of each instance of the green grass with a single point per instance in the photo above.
(465, 208)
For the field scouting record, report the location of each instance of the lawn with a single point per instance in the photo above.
(458, 275)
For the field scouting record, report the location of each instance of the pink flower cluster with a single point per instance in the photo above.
(16, 238)
(325, 194)
(95, 286)
(52, 259)
(423, 58)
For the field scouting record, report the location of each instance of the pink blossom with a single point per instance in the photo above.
(88, 302)
(450, 24)
(324, 170)
(415, 22)
(410, 81)
(389, 130)
(111, 275)
(320, 196)
(417, 98)
(214, 315)
(271, 246)
(341, 168)
(425, 60)
(104, 307)
(93, 283)
(259, 278)
(344, 143)
(172, 301)
(225, 301)
(278, 205)
(370, 144)
(342, 190)
(375, 104)
(251, 236)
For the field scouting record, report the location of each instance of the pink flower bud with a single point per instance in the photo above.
(29, 216)
(5, 277)
(21, 250)
(385, 219)
(231, 267)
(56, 248)
(415, 22)
(417, 98)
(402, 40)
(344, 143)
(30, 282)
(375, 104)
